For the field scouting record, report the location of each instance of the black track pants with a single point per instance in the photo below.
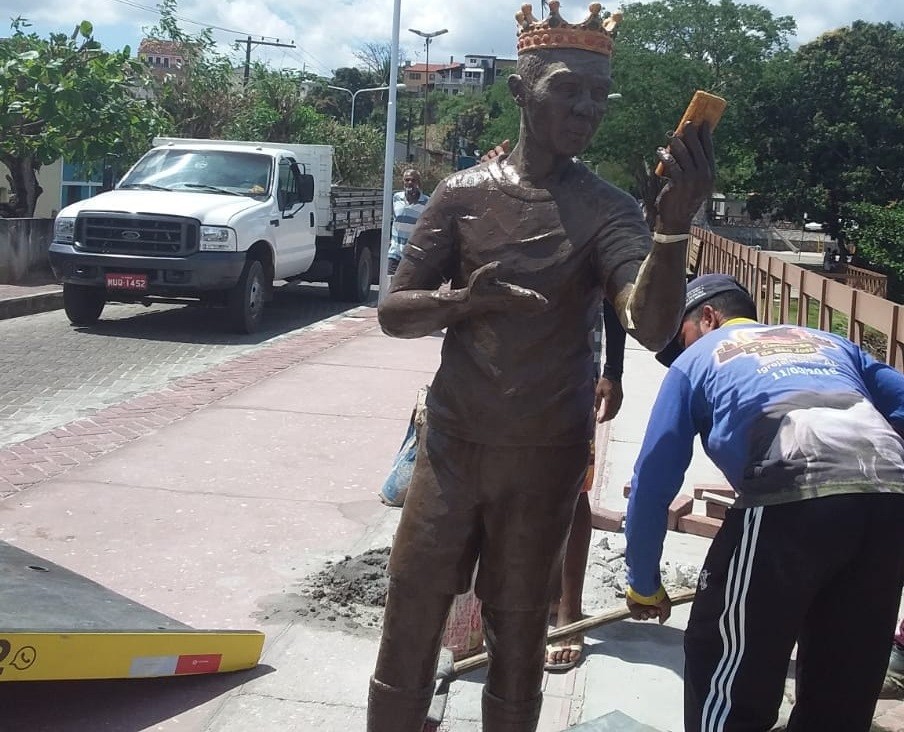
(825, 573)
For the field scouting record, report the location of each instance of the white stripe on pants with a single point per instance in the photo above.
(731, 625)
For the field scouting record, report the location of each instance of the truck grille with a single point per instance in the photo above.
(162, 236)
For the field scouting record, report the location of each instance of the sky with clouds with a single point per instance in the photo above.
(326, 34)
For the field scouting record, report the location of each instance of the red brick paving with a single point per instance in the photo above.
(714, 510)
(704, 526)
(57, 451)
(681, 506)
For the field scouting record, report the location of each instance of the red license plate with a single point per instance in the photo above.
(127, 281)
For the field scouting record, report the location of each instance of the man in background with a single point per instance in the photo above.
(407, 206)
(566, 653)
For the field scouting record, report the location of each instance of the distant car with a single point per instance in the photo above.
(813, 226)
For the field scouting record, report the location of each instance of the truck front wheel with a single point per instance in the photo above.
(83, 304)
(246, 299)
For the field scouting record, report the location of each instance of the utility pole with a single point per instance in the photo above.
(408, 143)
(249, 42)
(428, 37)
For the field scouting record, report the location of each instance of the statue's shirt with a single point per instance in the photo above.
(522, 379)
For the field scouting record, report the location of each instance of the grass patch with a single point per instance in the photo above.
(874, 341)
(839, 321)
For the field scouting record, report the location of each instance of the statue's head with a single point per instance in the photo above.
(562, 79)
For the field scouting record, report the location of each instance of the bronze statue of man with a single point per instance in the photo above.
(528, 243)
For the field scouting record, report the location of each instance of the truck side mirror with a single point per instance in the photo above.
(305, 188)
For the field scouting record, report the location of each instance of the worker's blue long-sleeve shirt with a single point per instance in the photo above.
(786, 413)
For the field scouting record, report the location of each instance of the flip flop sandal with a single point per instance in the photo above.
(567, 665)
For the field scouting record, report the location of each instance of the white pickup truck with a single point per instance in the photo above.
(218, 222)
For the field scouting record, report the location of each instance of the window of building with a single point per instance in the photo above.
(166, 62)
(79, 183)
(414, 75)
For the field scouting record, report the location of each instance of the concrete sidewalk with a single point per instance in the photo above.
(214, 499)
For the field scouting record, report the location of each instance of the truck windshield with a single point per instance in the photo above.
(202, 171)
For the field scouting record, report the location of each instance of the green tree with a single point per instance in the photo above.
(338, 104)
(377, 59)
(664, 51)
(64, 96)
(504, 115)
(357, 153)
(274, 111)
(463, 119)
(876, 233)
(203, 98)
(827, 125)
(409, 121)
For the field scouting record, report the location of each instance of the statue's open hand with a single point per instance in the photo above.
(487, 293)
(691, 168)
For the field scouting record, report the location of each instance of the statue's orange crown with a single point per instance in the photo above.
(595, 33)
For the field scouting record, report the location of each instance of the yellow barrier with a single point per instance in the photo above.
(124, 655)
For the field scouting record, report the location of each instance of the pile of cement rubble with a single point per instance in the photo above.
(605, 580)
(349, 594)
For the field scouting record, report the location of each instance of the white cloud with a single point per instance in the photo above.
(327, 34)
(814, 19)
(63, 15)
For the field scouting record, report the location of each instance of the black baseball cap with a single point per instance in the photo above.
(699, 290)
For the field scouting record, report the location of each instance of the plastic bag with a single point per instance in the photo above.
(463, 632)
(395, 488)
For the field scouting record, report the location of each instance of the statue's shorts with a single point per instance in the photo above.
(509, 507)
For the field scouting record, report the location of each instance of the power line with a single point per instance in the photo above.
(294, 51)
(156, 11)
(320, 66)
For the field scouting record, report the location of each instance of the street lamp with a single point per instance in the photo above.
(428, 37)
(389, 152)
(354, 94)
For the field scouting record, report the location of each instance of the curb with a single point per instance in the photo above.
(15, 307)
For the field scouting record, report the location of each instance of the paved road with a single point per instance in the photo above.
(52, 373)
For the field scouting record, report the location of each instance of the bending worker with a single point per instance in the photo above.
(806, 428)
